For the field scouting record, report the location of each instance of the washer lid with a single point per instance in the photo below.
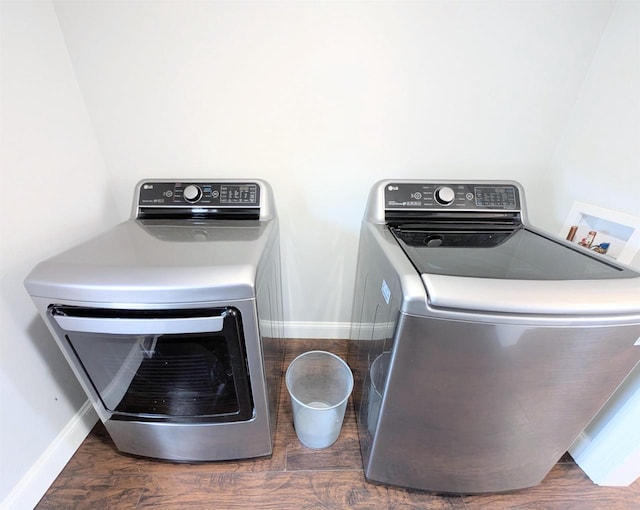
(508, 254)
(517, 271)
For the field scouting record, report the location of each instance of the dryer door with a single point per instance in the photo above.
(161, 365)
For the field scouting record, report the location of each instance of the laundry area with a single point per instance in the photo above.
(440, 194)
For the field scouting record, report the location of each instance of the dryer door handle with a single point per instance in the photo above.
(140, 326)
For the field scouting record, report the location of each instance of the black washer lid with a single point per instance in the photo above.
(518, 254)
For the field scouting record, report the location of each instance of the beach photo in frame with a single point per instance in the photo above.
(610, 233)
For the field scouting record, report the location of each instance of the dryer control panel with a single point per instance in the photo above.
(467, 196)
(201, 198)
(202, 194)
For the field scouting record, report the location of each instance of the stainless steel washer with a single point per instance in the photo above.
(172, 320)
(482, 346)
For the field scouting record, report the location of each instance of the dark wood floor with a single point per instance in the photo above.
(294, 477)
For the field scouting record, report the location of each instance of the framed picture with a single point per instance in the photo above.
(610, 233)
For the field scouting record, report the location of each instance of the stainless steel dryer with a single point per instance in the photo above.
(482, 346)
(172, 320)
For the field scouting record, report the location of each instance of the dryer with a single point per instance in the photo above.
(171, 320)
(482, 346)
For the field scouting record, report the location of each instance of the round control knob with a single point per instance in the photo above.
(445, 195)
(192, 193)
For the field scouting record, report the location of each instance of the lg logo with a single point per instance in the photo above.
(393, 188)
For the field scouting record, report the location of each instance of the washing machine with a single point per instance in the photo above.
(481, 345)
(172, 320)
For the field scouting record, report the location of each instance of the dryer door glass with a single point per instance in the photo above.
(182, 365)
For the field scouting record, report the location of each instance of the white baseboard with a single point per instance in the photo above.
(34, 484)
(608, 451)
(307, 329)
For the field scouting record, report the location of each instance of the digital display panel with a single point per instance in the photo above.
(496, 196)
(238, 193)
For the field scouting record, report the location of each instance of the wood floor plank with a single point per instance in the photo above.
(289, 490)
(566, 487)
(294, 348)
(93, 492)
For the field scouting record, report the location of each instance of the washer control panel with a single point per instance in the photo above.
(199, 194)
(451, 196)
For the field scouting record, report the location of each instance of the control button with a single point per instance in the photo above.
(192, 193)
(469, 196)
(434, 240)
(445, 195)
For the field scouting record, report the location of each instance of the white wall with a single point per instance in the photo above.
(56, 191)
(598, 161)
(324, 98)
